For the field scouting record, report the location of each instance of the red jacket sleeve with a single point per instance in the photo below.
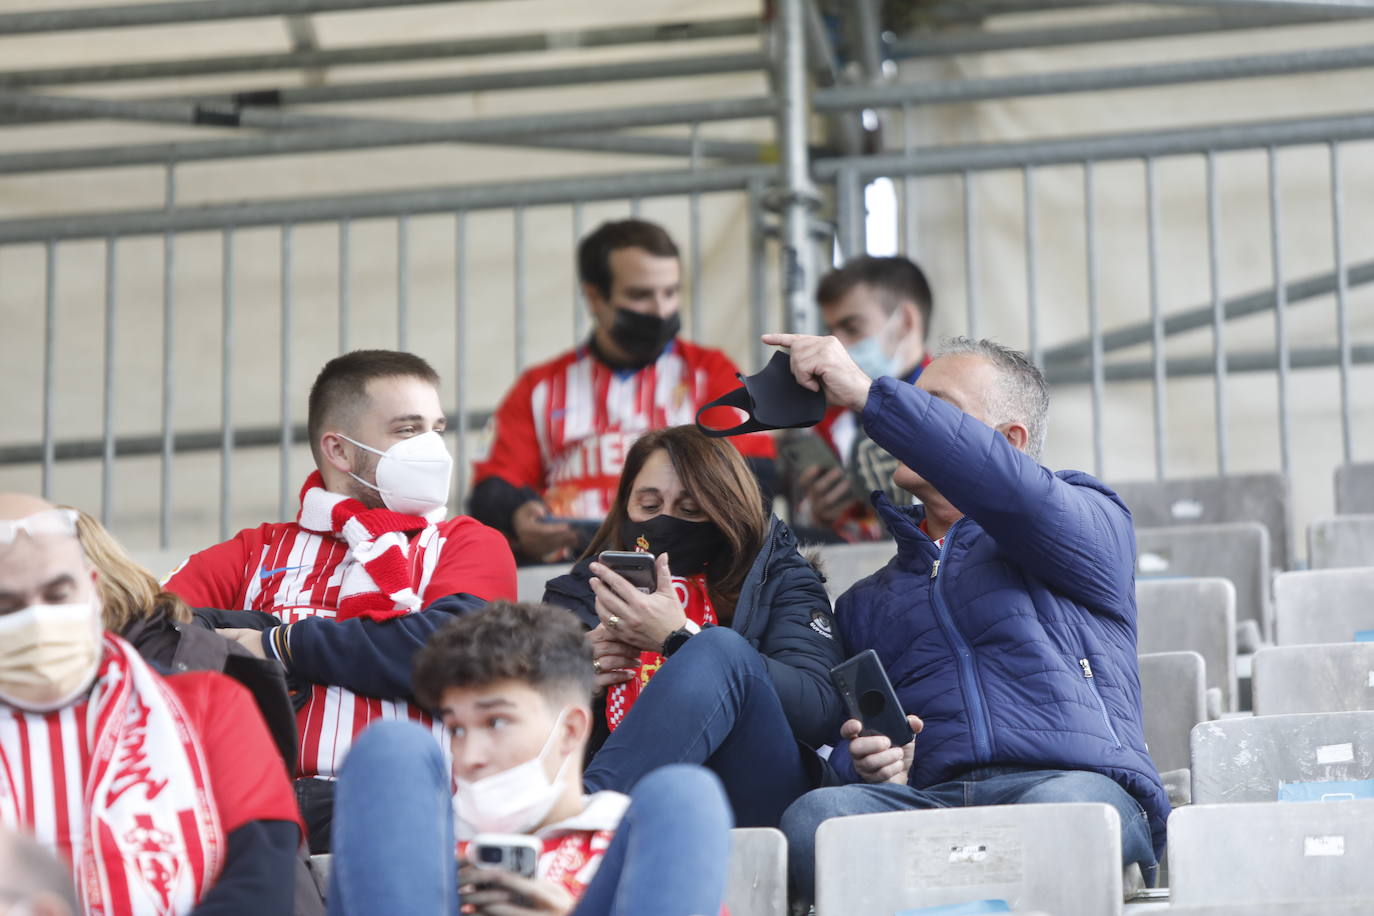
(247, 775)
(476, 559)
(215, 577)
(723, 377)
(514, 455)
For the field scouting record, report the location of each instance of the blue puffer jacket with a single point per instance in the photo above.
(1016, 641)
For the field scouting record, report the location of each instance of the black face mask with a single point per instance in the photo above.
(690, 545)
(772, 398)
(643, 337)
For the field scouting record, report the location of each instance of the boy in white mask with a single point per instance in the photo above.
(164, 795)
(513, 684)
(370, 567)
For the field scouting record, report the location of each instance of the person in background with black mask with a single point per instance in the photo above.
(727, 663)
(561, 434)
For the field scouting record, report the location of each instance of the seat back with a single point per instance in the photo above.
(845, 564)
(757, 882)
(1259, 498)
(161, 563)
(529, 580)
(1324, 605)
(1062, 858)
(1355, 488)
(1191, 615)
(1240, 854)
(1173, 693)
(1336, 677)
(1272, 758)
(1340, 541)
(1237, 552)
(1289, 908)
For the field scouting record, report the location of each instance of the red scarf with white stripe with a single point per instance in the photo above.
(696, 604)
(151, 843)
(377, 584)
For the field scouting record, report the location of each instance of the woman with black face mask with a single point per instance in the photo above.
(726, 664)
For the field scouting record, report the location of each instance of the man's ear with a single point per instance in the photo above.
(333, 449)
(577, 728)
(596, 303)
(1016, 434)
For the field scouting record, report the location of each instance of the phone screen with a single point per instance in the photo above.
(635, 568)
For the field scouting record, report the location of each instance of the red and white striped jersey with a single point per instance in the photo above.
(565, 427)
(292, 573)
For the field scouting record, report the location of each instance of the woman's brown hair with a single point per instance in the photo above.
(128, 592)
(713, 471)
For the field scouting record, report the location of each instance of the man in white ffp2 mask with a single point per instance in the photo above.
(164, 794)
(371, 565)
(513, 685)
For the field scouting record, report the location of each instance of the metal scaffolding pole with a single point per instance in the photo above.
(387, 203)
(371, 91)
(977, 41)
(409, 52)
(1104, 147)
(1343, 7)
(176, 12)
(844, 98)
(798, 195)
(1203, 367)
(329, 135)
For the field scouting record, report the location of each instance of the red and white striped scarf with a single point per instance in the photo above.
(378, 584)
(696, 604)
(120, 785)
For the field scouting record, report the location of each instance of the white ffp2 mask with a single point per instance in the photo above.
(413, 475)
(514, 800)
(49, 654)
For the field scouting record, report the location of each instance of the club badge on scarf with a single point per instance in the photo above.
(696, 604)
(153, 844)
(377, 579)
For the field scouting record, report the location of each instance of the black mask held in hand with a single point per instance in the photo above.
(689, 545)
(772, 398)
(643, 337)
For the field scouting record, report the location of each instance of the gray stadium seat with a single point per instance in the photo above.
(1061, 858)
(1355, 488)
(161, 562)
(1336, 677)
(1237, 551)
(1259, 498)
(1266, 758)
(1193, 615)
(844, 564)
(1173, 693)
(757, 883)
(1340, 541)
(1240, 854)
(1290, 908)
(1324, 605)
(529, 580)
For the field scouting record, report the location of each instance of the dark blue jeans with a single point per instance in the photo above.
(394, 849)
(712, 703)
(988, 786)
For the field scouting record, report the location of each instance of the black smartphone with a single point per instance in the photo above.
(869, 695)
(635, 568)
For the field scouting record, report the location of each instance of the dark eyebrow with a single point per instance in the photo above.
(647, 490)
(491, 702)
(408, 418)
(945, 396)
(62, 579)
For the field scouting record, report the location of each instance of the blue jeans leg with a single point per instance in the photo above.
(393, 827)
(1050, 786)
(807, 813)
(670, 854)
(712, 704)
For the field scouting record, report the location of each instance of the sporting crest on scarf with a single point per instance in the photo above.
(696, 604)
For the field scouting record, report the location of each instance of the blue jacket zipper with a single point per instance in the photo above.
(1097, 695)
(968, 675)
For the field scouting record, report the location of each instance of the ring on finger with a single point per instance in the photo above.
(613, 620)
(596, 667)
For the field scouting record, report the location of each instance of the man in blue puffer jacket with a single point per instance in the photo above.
(1007, 619)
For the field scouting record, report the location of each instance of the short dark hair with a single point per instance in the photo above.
(344, 379)
(895, 280)
(537, 644)
(594, 251)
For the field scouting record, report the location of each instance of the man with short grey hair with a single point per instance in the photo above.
(1006, 621)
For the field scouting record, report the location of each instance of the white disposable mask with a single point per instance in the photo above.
(49, 654)
(871, 354)
(413, 475)
(515, 800)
